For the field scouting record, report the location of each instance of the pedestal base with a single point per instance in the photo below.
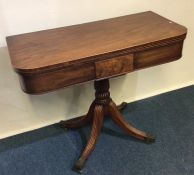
(102, 106)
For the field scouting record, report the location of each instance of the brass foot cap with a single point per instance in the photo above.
(79, 165)
(150, 139)
(63, 125)
(122, 106)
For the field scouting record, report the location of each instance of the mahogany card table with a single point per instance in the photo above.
(51, 59)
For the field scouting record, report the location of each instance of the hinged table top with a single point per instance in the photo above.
(63, 46)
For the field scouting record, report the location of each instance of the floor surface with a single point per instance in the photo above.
(53, 151)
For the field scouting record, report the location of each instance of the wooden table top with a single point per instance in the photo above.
(67, 45)
(52, 59)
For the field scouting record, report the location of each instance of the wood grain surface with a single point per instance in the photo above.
(52, 59)
(113, 67)
(63, 46)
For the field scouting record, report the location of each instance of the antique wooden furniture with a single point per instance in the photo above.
(52, 59)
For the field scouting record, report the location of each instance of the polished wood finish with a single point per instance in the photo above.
(157, 56)
(44, 82)
(127, 127)
(113, 67)
(52, 59)
(102, 106)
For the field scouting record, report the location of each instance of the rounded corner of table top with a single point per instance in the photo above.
(44, 65)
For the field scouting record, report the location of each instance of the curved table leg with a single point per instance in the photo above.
(127, 127)
(96, 128)
(78, 122)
